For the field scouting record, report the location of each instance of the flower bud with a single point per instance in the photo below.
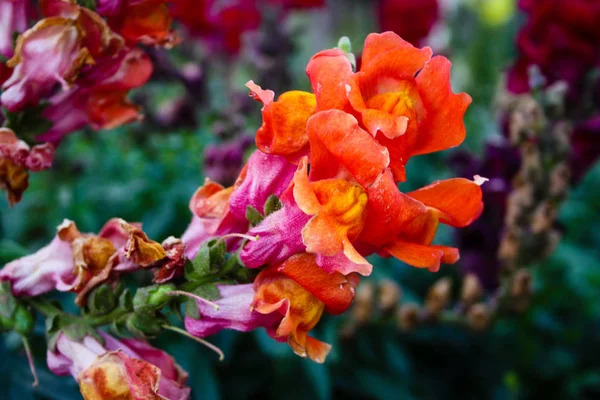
(471, 289)
(389, 295)
(479, 317)
(408, 316)
(438, 296)
(152, 298)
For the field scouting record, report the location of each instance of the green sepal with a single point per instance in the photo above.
(102, 300)
(272, 204)
(145, 325)
(210, 257)
(253, 216)
(24, 320)
(8, 303)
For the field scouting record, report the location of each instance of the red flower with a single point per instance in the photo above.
(561, 38)
(410, 19)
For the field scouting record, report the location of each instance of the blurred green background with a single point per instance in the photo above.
(143, 173)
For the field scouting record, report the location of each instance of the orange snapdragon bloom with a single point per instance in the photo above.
(338, 207)
(300, 291)
(408, 231)
(283, 131)
(401, 96)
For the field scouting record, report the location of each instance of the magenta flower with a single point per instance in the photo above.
(219, 211)
(234, 312)
(279, 237)
(265, 175)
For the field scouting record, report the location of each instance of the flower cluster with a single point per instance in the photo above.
(72, 69)
(333, 159)
(286, 243)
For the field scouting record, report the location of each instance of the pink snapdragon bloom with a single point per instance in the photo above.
(17, 159)
(279, 236)
(99, 97)
(220, 211)
(13, 18)
(49, 53)
(36, 158)
(266, 175)
(118, 368)
(234, 312)
(78, 262)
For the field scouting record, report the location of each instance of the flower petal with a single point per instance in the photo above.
(337, 141)
(327, 72)
(283, 131)
(422, 256)
(443, 125)
(333, 289)
(458, 200)
(377, 44)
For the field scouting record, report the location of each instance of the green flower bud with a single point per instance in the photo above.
(152, 298)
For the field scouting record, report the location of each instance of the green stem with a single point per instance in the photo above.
(107, 319)
(44, 306)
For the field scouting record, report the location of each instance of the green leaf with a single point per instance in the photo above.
(191, 309)
(209, 259)
(253, 216)
(145, 325)
(218, 250)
